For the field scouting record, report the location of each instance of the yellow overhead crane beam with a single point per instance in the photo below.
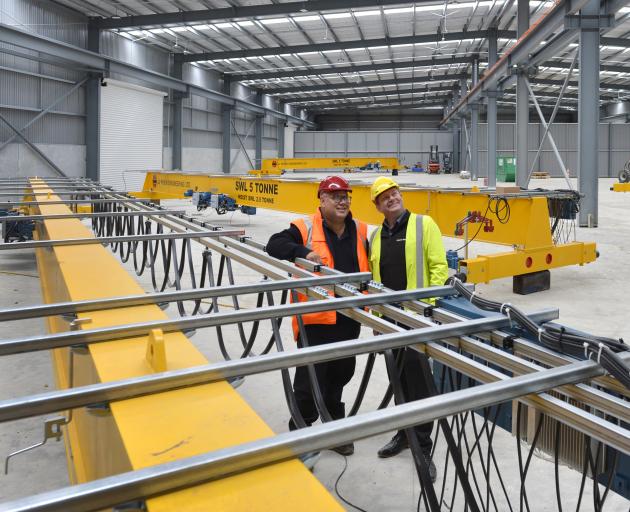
(621, 187)
(277, 165)
(527, 230)
(156, 428)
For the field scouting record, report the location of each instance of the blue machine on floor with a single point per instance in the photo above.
(16, 231)
(222, 203)
(620, 482)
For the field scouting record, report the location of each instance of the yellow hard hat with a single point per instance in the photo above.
(380, 185)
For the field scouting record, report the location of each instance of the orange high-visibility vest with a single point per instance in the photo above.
(313, 236)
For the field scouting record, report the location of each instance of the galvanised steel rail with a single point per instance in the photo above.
(64, 308)
(120, 239)
(183, 473)
(65, 339)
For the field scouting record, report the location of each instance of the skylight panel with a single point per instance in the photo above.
(337, 15)
(301, 19)
(274, 21)
(360, 14)
(179, 29)
(400, 10)
(245, 23)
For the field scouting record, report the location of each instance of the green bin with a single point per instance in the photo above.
(506, 168)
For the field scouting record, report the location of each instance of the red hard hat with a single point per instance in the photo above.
(333, 184)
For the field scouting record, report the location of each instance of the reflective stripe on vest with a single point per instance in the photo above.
(313, 237)
(414, 253)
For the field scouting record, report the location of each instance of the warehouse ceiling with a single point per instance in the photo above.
(369, 54)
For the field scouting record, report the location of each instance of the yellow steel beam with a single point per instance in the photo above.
(158, 428)
(278, 164)
(621, 187)
(526, 228)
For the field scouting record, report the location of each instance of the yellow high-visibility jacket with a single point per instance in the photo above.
(425, 258)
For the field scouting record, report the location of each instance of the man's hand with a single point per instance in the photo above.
(314, 257)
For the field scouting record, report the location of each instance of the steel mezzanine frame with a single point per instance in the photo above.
(247, 251)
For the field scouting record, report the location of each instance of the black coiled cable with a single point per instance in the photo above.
(602, 349)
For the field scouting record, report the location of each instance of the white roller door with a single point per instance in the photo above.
(130, 134)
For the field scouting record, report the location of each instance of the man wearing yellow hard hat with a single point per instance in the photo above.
(406, 252)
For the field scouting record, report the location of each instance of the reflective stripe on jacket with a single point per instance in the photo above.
(313, 237)
(425, 258)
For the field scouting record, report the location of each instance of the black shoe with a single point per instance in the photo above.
(344, 449)
(395, 446)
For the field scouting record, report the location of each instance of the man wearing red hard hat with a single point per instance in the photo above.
(333, 238)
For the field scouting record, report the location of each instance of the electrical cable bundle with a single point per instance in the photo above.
(601, 349)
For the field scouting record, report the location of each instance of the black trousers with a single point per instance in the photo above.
(332, 376)
(415, 383)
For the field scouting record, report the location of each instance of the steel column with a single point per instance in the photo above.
(178, 117)
(280, 133)
(258, 133)
(491, 115)
(226, 128)
(474, 127)
(588, 119)
(522, 102)
(456, 136)
(463, 89)
(93, 111)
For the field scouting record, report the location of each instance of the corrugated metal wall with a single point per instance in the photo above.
(408, 146)
(28, 86)
(614, 147)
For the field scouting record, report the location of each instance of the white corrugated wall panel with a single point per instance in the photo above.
(130, 134)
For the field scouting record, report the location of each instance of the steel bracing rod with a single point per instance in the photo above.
(118, 239)
(45, 403)
(5, 204)
(551, 119)
(39, 152)
(94, 215)
(64, 308)
(552, 142)
(64, 339)
(184, 473)
(46, 110)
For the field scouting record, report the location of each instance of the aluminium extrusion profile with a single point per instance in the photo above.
(62, 308)
(93, 215)
(64, 339)
(54, 192)
(5, 204)
(13, 409)
(38, 244)
(171, 476)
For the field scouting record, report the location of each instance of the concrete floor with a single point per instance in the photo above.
(589, 298)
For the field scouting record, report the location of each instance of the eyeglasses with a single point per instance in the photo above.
(340, 198)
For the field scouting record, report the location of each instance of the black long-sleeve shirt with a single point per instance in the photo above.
(288, 245)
